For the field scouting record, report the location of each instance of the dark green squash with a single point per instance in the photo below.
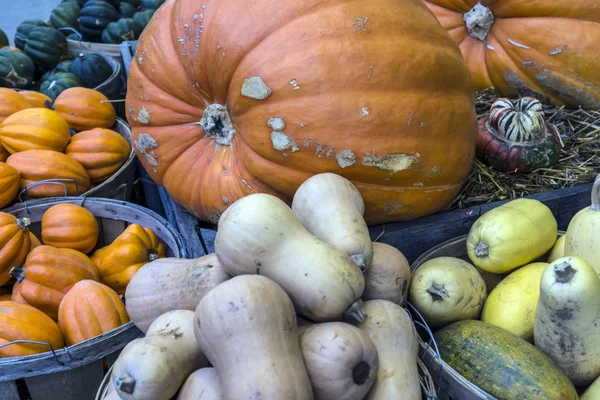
(24, 29)
(3, 39)
(120, 31)
(135, 3)
(65, 15)
(58, 83)
(64, 66)
(152, 4)
(140, 20)
(92, 69)
(95, 17)
(126, 10)
(46, 46)
(16, 69)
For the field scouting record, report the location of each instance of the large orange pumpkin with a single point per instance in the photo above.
(9, 184)
(23, 322)
(38, 165)
(70, 226)
(49, 273)
(544, 48)
(101, 152)
(34, 128)
(36, 99)
(15, 243)
(90, 309)
(11, 102)
(85, 109)
(232, 98)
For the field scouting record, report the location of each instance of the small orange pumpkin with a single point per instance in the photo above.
(35, 242)
(34, 128)
(129, 252)
(89, 309)
(37, 165)
(49, 273)
(36, 99)
(85, 109)
(9, 184)
(70, 226)
(11, 102)
(3, 153)
(15, 243)
(101, 152)
(5, 297)
(16, 294)
(23, 322)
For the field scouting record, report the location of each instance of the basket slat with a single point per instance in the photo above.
(77, 383)
(8, 391)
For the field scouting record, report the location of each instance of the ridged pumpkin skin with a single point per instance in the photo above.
(70, 226)
(34, 129)
(16, 69)
(23, 322)
(37, 165)
(84, 109)
(543, 48)
(15, 243)
(101, 152)
(88, 310)
(272, 99)
(36, 99)
(129, 252)
(49, 273)
(46, 46)
(11, 102)
(9, 182)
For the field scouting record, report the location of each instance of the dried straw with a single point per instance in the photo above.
(579, 162)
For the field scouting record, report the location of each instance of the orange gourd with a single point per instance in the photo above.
(5, 297)
(70, 226)
(129, 252)
(35, 242)
(11, 102)
(3, 153)
(37, 165)
(88, 310)
(101, 152)
(15, 243)
(36, 99)
(23, 322)
(9, 184)
(375, 91)
(34, 129)
(49, 273)
(16, 294)
(85, 109)
(546, 49)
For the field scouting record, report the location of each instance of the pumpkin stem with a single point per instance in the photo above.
(596, 195)
(126, 383)
(482, 249)
(359, 260)
(564, 272)
(479, 21)
(17, 273)
(356, 312)
(152, 255)
(360, 373)
(217, 124)
(438, 291)
(23, 223)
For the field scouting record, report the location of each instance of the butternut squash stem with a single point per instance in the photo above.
(482, 249)
(152, 255)
(596, 195)
(438, 291)
(355, 312)
(360, 373)
(126, 383)
(564, 272)
(23, 223)
(359, 260)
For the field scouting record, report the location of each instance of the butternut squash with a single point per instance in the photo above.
(389, 275)
(592, 392)
(330, 207)
(170, 284)
(583, 233)
(512, 235)
(259, 234)
(567, 319)
(394, 335)
(341, 361)
(155, 367)
(202, 384)
(246, 326)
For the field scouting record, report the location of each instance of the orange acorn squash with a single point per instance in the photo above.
(89, 309)
(545, 48)
(16, 294)
(11, 102)
(101, 152)
(34, 129)
(15, 243)
(9, 182)
(23, 322)
(129, 252)
(35, 242)
(36, 99)
(3, 153)
(375, 91)
(70, 226)
(85, 109)
(37, 165)
(5, 297)
(49, 273)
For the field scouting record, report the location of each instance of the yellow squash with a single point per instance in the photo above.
(558, 250)
(511, 235)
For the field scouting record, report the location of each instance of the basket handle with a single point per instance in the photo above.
(53, 181)
(71, 30)
(41, 344)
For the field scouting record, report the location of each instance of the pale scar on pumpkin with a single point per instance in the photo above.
(360, 24)
(393, 162)
(345, 158)
(143, 116)
(255, 88)
(276, 123)
(283, 142)
(145, 144)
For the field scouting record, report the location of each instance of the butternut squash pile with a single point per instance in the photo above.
(296, 303)
(65, 289)
(68, 139)
(518, 275)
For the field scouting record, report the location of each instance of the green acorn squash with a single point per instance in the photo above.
(135, 3)
(24, 29)
(120, 31)
(152, 4)
(126, 10)
(46, 46)
(140, 20)
(65, 15)
(92, 69)
(16, 69)
(59, 82)
(64, 66)
(3, 39)
(95, 17)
